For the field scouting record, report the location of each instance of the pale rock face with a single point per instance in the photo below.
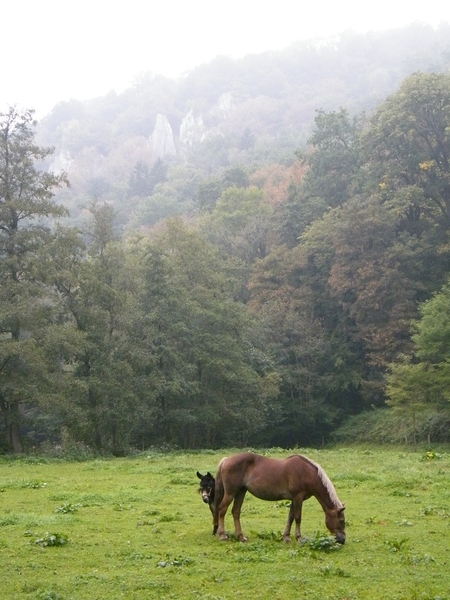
(192, 129)
(225, 104)
(162, 138)
(61, 163)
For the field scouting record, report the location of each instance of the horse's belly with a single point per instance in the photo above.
(263, 494)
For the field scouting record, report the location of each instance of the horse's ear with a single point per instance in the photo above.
(199, 475)
(208, 474)
(342, 509)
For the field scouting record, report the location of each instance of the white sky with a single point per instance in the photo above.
(55, 50)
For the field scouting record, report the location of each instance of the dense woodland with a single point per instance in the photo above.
(279, 277)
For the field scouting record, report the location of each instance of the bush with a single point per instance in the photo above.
(384, 426)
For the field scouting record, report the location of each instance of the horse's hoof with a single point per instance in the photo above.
(243, 539)
(223, 537)
(287, 539)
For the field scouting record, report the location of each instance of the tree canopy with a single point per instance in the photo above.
(253, 301)
(26, 204)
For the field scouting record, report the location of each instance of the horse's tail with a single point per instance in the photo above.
(218, 495)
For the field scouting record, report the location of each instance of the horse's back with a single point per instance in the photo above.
(248, 461)
(264, 477)
(238, 463)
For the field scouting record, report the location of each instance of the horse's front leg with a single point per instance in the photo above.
(295, 514)
(287, 529)
(211, 508)
(237, 505)
(297, 506)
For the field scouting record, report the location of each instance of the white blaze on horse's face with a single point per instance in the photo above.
(206, 496)
(206, 487)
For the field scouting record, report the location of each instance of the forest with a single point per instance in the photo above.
(255, 255)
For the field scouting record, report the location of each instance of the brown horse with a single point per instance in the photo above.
(295, 478)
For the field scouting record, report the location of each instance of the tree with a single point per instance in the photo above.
(100, 406)
(408, 148)
(209, 374)
(26, 208)
(140, 183)
(418, 383)
(335, 159)
(317, 365)
(374, 277)
(239, 223)
(333, 164)
(391, 240)
(383, 248)
(208, 192)
(144, 179)
(423, 377)
(235, 177)
(297, 212)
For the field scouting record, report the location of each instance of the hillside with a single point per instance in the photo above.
(251, 112)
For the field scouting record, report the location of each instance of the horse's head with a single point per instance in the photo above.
(335, 521)
(207, 486)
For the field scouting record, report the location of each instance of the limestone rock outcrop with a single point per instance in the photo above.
(192, 129)
(61, 163)
(162, 140)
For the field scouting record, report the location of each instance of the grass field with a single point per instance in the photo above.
(136, 528)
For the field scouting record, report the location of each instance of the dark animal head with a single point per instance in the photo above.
(335, 521)
(206, 489)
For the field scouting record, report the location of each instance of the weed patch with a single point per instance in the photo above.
(48, 595)
(177, 562)
(332, 570)
(429, 455)
(52, 539)
(396, 545)
(323, 543)
(68, 508)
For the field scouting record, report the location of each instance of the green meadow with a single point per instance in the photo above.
(136, 528)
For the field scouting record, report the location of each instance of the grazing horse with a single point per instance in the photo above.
(207, 489)
(295, 478)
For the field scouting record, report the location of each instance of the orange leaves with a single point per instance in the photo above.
(274, 180)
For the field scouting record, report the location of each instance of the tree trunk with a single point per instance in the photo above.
(12, 426)
(13, 438)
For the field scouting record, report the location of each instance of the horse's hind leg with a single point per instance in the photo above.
(237, 505)
(222, 511)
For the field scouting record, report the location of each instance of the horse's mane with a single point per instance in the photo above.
(327, 484)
